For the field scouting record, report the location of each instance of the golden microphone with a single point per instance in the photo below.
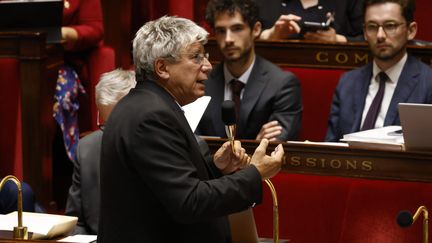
(406, 219)
(229, 119)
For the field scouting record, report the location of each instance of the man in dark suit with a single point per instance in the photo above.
(368, 97)
(155, 183)
(83, 198)
(270, 102)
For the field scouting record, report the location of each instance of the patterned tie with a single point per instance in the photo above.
(236, 88)
(375, 107)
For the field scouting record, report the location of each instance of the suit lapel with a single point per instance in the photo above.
(360, 92)
(407, 82)
(216, 89)
(201, 166)
(253, 89)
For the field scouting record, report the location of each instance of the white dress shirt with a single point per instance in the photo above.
(243, 78)
(393, 73)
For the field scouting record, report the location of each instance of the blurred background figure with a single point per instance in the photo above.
(82, 32)
(283, 19)
(83, 199)
(9, 198)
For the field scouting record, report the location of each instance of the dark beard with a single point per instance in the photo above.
(391, 56)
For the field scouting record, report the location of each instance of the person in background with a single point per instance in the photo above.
(282, 19)
(155, 184)
(82, 31)
(9, 198)
(83, 198)
(368, 97)
(268, 99)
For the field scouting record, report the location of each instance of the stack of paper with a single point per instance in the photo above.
(386, 138)
(43, 226)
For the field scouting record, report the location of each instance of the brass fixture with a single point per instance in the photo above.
(19, 232)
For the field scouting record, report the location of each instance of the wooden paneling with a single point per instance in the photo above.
(38, 65)
(304, 158)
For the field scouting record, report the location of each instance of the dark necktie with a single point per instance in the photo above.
(236, 88)
(375, 107)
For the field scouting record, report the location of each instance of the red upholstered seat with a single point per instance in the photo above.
(346, 210)
(311, 208)
(317, 86)
(372, 208)
(100, 60)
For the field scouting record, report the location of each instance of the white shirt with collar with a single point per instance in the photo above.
(393, 73)
(243, 78)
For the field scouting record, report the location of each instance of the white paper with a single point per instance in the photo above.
(195, 110)
(42, 225)
(80, 239)
(378, 135)
(335, 144)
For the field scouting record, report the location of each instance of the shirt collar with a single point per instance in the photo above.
(243, 78)
(393, 72)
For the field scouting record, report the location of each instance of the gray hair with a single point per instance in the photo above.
(165, 38)
(113, 86)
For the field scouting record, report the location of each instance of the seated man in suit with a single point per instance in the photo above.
(368, 97)
(268, 100)
(83, 199)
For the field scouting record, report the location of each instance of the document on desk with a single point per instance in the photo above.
(385, 138)
(335, 144)
(43, 226)
(195, 110)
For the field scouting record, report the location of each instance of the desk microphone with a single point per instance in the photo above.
(406, 219)
(229, 119)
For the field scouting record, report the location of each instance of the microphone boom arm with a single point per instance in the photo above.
(423, 209)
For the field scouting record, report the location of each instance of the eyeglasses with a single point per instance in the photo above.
(198, 58)
(388, 27)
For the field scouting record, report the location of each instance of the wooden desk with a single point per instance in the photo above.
(311, 54)
(347, 162)
(39, 65)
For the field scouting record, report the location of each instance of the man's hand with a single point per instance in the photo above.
(285, 26)
(270, 131)
(268, 166)
(226, 161)
(325, 35)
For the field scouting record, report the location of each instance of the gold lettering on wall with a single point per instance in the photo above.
(361, 59)
(328, 163)
(295, 161)
(322, 56)
(335, 164)
(351, 164)
(341, 58)
(311, 162)
(367, 165)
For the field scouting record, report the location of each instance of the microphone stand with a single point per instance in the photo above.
(20, 231)
(275, 211)
(423, 209)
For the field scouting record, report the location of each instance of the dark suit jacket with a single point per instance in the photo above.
(270, 94)
(156, 185)
(83, 198)
(414, 86)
